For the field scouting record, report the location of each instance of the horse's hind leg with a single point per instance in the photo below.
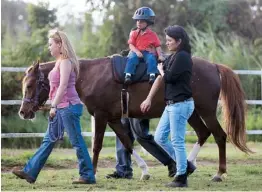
(122, 134)
(220, 138)
(202, 133)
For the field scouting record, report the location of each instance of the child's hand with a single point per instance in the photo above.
(139, 54)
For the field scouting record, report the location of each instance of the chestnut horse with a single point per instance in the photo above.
(101, 95)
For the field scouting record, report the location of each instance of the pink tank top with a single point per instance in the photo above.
(70, 95)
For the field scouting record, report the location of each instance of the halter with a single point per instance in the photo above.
(42, 84)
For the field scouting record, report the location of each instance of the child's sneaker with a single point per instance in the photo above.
(152, 79)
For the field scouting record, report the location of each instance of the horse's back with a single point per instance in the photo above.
(205, 82)
(99, 90)
(96, 86)
(205, 87)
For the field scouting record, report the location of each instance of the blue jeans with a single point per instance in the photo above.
(71, 121)
(174, 120)
(133, 61)
(123, 157)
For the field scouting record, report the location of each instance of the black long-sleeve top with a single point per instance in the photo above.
(177, 76)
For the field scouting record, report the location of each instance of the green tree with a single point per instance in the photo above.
(39, 16)
(24, 52)
(13, 17)
(224, 16)
(96, 40)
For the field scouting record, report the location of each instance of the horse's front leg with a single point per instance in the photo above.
(122, 134)
(100, 127)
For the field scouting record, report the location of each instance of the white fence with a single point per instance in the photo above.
(112, 134)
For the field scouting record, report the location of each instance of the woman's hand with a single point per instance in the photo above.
(52, 112)
(145, 105)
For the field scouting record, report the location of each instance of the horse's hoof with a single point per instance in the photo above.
(217, 178)
(145, 177)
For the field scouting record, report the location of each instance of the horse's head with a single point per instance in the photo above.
(35, 88)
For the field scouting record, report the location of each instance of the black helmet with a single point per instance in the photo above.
(145, 13)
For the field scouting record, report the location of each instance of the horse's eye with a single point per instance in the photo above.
(29, 86)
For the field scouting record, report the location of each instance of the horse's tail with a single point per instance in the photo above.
(233, 108)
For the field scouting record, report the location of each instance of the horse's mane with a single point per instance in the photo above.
(46, 63)
(29, 69)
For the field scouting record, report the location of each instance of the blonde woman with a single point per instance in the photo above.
(67, 107)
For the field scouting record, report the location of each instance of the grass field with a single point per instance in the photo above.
(244, 172)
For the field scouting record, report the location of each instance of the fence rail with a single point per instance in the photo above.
(90, 134)
(112, 134)
(241, 72)
(19, 102)
(13, 69)
(28, 135)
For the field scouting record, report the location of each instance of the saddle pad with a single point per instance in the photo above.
(118, 67)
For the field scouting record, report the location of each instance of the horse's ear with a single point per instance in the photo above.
(36, 62)
(36, 65)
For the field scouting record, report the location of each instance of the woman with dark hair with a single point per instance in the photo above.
(176, 73)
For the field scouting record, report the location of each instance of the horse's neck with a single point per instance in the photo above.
(45, 68)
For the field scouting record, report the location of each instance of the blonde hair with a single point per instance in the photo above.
(67, 51)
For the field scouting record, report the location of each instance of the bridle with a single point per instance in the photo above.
(42, 84)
